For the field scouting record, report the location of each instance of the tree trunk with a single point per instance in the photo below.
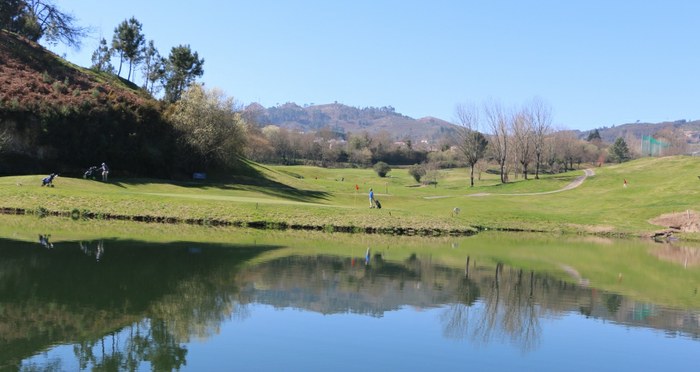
(471, 175)
(503, 168)
(121, 60)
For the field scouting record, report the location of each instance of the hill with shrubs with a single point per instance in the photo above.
(59, 117)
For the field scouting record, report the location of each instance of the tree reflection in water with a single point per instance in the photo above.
(145, 341)
(144, 303)
(507, 308)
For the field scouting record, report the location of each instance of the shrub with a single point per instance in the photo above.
(417, 171)
(46, 78)
(382, 168)
(59, 87)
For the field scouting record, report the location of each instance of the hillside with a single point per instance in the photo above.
(55, 116)
(35, 79)
(344, 119)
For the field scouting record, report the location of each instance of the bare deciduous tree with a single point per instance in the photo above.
(498, 122)
(37, 19)
(471, 143)
(541, 118)
(523, 139)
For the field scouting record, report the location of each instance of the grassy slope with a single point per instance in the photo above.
(310, 195)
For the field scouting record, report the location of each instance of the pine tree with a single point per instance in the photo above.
(619, 151)
(181, 69)
(102, 56)
(128, 42)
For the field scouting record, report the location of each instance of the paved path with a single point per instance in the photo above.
(574, 184)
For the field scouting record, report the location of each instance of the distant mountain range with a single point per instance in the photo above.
(344, 120)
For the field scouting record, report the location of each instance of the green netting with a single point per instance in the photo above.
(652, 146)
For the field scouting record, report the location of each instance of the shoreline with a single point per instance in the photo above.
(76, 214)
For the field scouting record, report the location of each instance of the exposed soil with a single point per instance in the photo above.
(688, 221)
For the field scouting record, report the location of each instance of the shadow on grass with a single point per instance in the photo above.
(246, 178)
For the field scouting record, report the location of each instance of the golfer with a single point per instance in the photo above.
(105, 172)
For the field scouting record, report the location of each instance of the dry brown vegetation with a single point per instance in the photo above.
(36, 80)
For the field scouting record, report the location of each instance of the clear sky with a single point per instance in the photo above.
(596, 62)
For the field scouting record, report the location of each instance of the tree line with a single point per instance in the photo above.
(173, 74)
(523, 141)
(517, 142)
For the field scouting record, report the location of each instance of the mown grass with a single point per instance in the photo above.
(326, 197)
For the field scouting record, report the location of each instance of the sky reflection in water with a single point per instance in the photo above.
(218, 308)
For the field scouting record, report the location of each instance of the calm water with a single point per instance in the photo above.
(113, 304)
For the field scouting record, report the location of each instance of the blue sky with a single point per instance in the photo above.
(597, 63)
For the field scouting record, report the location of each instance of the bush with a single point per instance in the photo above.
(382, 168)
(417, 171)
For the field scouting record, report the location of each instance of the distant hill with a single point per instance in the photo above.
(344, 119)
(682, 136)
(636, 130)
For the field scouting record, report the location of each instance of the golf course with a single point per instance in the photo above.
(612, 200)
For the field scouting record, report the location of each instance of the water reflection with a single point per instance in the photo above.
(142, 304)
(92, 249)
(44, 241)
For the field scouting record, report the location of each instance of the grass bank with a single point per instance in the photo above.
(324, 198)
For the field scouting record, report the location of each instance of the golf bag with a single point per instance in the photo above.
(92, 173)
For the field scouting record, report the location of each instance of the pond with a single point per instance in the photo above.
(72, 299)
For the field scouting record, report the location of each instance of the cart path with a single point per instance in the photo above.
(574, 184)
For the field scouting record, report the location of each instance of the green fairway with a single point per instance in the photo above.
(338, 197)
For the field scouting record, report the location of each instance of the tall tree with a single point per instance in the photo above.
(102, 56)
(523, 140)
(181, 69)
(37, 19)
(471, 143)
(540, 115)
(153, 67)
(498, 122)
(128, 42)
